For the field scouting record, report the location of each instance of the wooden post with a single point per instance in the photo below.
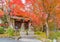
(22, 27)
(29, 27)
(31, 31)
(0, 21)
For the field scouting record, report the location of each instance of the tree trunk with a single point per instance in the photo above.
(47, 29)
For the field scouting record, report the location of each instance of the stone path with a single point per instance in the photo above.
(20, 40)
(29, 40)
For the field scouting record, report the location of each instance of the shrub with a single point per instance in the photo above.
(53, 35)
(38, 32)
(41, 34)
(1, 30)
(58, 35)
(10, 31)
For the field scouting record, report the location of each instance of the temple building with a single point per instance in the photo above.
(16, 22)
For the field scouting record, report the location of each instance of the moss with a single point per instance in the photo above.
(1, 30)
(10, 31)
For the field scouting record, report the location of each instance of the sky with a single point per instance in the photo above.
(23, 1)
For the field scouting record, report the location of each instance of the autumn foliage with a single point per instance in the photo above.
(1, 13)
(36, 10)
(18, 9)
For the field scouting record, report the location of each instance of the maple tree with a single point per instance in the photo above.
(39, 11)
(19, 9)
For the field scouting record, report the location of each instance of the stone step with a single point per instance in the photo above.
(27, 36)
(29, 40)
